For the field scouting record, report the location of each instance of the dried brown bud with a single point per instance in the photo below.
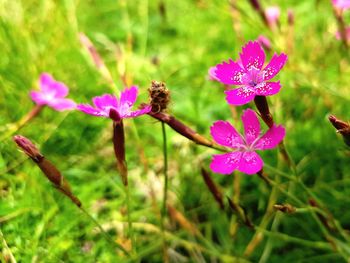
(49, 170)
(342, 127)
(159, 95)
(285, 208)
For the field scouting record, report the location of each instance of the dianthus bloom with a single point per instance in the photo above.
(52, 93)
(341, 4)
(251, 76)
(110, 106)
(243, 158)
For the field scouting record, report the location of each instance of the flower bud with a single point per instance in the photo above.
(49, 170)
(342, 127)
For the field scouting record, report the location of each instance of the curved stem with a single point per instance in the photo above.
(165, 156)
(130, 229)
(165, 190)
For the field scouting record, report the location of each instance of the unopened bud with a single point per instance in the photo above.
(290, 17)
(181, 128)
(119, 150)
(49, 170)
(28, 147)
(342, 127)
(263, 108)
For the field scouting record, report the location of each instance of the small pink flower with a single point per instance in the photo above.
(243, 158)
(251, 76)
(110, 106)
(341, 4)
(272, 15)
(52, 93)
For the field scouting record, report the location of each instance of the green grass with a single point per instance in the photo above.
(39, 224)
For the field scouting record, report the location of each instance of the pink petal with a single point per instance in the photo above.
(38, 97)
(49, 85)
(88, 109)
(251, 126)
(342, 4)
(252, 56)
(225, 163)
(250, 163)
(45, 82)
(106, 100)
(225, 134)
(136, 113)
(229, 73)
(267, 88)
(62, 104)
(128, 96)
(212, 74)
(240, 96)
(277, 62)
(271, 138)
(59, 89)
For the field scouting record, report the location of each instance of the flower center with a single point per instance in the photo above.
(252, 77)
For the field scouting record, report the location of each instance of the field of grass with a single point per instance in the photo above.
(175, 42)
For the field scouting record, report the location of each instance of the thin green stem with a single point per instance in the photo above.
(165, 190)
(165, 170)
(130, 229)
(4, 243)
(107, 236)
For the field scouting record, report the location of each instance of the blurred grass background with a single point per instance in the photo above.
(175, 42)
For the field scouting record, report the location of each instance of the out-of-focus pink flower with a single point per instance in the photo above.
(264, 42)
(251, 77)
(347, 33)
(52, 93)
(243, 158)
(110, 106)
(272, 14)
(341, 4)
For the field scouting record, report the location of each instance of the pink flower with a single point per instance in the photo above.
(110, 106)
(341, 4)
(251, 76)
(52, 93)
(243, 158)
(272, 14)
